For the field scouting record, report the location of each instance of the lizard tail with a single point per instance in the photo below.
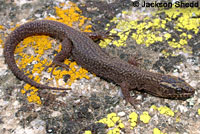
(20, 75)
(16, 37)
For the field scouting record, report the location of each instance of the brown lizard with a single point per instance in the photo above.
(91, 57)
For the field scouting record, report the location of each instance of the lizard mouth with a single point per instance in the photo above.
(182, 96)
(174, 95)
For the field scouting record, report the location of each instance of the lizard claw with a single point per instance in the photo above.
(132, 101)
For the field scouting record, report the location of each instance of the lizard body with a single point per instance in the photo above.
(91, 57)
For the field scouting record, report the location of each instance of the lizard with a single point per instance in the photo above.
(90, 56)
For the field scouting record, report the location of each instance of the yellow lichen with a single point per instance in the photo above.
(178, 119)
(167, 36)
(164, 110)
(144, 117)
(113, 122)
(133, 119)
(147, 32)
(157, 131)
(87, 132)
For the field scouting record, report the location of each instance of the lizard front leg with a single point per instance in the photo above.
(67, 48)
(125, 86)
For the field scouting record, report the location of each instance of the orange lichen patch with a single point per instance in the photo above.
(69, 14)
(12, 29)
(34, 98)
(1, 27)
(1, 41)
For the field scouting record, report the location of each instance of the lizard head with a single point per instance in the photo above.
(171, 87)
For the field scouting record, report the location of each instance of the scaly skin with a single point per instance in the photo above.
(91, 57)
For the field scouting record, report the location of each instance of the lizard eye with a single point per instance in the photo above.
(181, 80)
(178, 89)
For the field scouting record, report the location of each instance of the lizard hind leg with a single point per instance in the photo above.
(101, 35)
(96, 36)
(133, 60)
(61, 56)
